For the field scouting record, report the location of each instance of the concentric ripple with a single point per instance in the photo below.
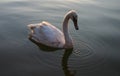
(50, 59)
(89, 54)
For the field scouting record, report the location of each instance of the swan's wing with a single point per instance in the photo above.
(47, 34)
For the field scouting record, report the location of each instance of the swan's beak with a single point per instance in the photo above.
(75, 23)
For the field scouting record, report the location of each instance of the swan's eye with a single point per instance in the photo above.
(75, 17)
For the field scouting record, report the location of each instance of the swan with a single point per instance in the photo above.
(48, 35)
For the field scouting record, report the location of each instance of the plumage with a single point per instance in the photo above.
(47, 34)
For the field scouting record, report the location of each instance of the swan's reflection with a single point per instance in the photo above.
(44, 47)
(64, 60)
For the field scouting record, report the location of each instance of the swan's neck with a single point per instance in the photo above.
(68, 40)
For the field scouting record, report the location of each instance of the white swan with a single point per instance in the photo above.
(47, 34)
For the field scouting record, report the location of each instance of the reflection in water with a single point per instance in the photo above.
(99, 22)
(44, 47)
(65, 58)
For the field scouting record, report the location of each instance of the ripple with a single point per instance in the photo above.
(89, 54)
(50, 59)
(82, 49)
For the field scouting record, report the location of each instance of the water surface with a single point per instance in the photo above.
(96, 44)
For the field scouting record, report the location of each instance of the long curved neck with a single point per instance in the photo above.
(68, 40)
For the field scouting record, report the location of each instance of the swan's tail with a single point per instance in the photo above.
(31, 26)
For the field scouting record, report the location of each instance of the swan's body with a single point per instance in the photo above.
(47, 34)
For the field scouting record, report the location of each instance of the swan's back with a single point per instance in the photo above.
(47, 34)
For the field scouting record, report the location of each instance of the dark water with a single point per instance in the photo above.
(96, 44)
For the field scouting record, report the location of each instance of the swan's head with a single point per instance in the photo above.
(74, 17)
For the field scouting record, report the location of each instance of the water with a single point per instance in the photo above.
(96, 44)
